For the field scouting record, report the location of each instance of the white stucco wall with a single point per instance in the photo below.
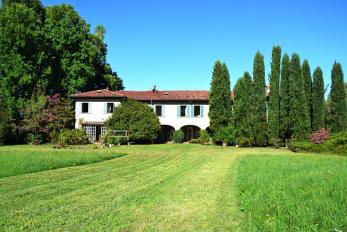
(170, 116)
(96, 112)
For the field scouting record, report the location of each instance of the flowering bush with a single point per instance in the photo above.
(319, 136)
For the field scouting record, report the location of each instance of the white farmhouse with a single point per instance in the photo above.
(185, 110)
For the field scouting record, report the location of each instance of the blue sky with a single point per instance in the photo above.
(174, 44)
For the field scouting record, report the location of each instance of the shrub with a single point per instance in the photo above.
(109, 138)
(32, 138)
(260, 140)
(73, 137)
(195, 141)
(307, 146)
(138, 119)
(204, 137)
(338, 139)
(277, 143)
(226, 135)
(178, 136)
(337, 143)
(244, 142)
(319, 136)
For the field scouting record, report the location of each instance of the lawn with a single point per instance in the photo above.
(16, 160)
(181, 187)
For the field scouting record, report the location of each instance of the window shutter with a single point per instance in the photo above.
(188, 111)
(178, 111)
(105, 108)
(90, 108)
(202, 111)
(163, 111)
(192, 111)
(78, 107)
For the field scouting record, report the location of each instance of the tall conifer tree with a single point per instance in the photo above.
(227, 93)
(219, 98)
(318, 102)
(274, 103)
(298, 118)
(243, 113)
(284, 98)
(306, 74)
(260, 119)
(338, 111)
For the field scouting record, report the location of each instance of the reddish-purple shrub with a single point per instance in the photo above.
(319, 136)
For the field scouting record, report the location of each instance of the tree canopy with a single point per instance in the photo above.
(137, 118)
(47, 51)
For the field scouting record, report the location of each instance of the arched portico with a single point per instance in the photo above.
(190, 132)
(166, 134)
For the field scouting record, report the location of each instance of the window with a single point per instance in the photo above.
(110, 107)
(103, 130)
(85, 107)
(197, 112)
(183, 111)
(159, 110)
(91, 131)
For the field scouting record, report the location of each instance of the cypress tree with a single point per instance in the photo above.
(338, 109)
(274, 103)
(260, 119)
(219, 98)
(284, 98)
(298, 118)
(243, 112)
(318, 102)
(227, 93)
(306, 74)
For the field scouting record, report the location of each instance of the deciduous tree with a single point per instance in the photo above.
(138, 119)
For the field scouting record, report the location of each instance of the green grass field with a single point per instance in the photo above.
(16, 160)
(180, 188)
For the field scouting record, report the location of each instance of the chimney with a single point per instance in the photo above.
(154, 90)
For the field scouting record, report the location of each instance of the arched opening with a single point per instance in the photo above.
(165, 134)
(190, 132)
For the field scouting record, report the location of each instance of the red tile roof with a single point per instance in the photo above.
(102, 93)
(179, 95)
(170, 95)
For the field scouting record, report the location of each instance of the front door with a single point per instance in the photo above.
(189, 133)
(98, 133)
